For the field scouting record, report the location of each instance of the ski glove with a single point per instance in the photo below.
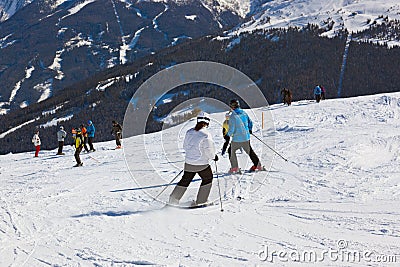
(216, 158)
(250, 131)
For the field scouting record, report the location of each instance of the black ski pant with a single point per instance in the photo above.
(118, 137)
(190, 171)
(318, 98)
(204, 172)
(77, 152)
(60, 147)
(226, 143)
(90, 141)
(85, 141)
(247, 148)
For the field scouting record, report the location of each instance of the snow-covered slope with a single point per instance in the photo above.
(340, 197)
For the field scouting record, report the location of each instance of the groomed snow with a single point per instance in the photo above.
(341, 196)
(45, 90)
(2, 135)
(56, 121)
(76, 8)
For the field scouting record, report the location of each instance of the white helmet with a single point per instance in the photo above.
(203, 117)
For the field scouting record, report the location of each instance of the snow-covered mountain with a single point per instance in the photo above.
(331, 15)
(9, 7)
(50, 45)
(336, 206)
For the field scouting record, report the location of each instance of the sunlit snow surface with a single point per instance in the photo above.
(343, 193)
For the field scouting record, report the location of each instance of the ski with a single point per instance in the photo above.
(204, 205)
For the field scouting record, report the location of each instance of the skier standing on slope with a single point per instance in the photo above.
(61, 134)
(36, 142)
(225, 128)
(117, 132)
(287, 96)
(317, 93)
(240, 128)
(85, 138)
(323, 91)
(78, 144)
(90, 132)
(199, 148)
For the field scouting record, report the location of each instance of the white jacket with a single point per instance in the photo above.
(61, 134)
(36, 140)
(199, 147)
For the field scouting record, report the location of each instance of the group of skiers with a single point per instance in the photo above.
(319, 94)
(198, 145)
(200, 150)
(82, 137)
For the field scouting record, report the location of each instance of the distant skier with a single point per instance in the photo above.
(199, 148)
(323, 91)
(117, 132)
(240, 128)
(90, 132)
(225, 128)
(36, 142)
(287, 96)
(85, 137)
(317, 93)
(78, 144)
(61, 134)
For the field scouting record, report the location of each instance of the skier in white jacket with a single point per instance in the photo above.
(36, 142)
(200, 150)
(61, 134)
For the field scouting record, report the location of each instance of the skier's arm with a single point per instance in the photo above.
(250, 124)
(186, 143)
(231, 126)
(207, 147)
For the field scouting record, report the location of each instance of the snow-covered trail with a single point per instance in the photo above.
(344, 190)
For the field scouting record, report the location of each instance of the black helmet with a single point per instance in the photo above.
(78, 130)
(234, 104)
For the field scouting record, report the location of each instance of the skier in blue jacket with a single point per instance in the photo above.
(90, 130)
(240, 128)
(317, 93)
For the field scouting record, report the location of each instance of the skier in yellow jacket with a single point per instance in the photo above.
(78, 144)
(225, 129)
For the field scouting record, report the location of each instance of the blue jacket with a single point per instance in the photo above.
(90, 130)
(240, 126)
(317, 90)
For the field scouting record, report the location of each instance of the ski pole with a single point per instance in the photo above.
(169, 184)
(270, 147)
(93, 159)
(219, 188)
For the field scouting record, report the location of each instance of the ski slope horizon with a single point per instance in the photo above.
(341, 195)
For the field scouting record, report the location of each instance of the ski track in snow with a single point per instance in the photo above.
(345, 186)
